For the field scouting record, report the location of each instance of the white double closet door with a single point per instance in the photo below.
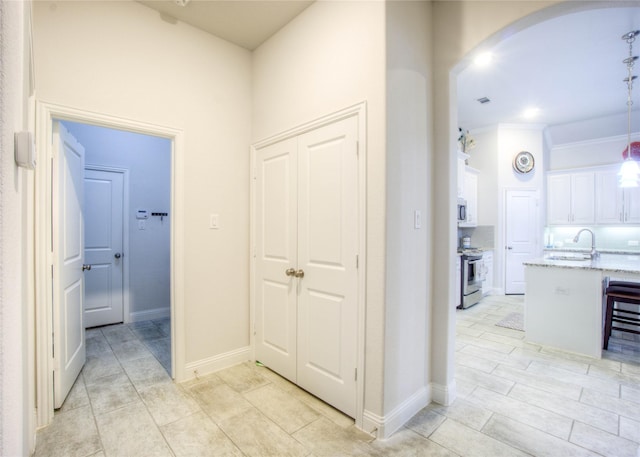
(306, 234)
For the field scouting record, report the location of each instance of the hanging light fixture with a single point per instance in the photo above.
(629, 171)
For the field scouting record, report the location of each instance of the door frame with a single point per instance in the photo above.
(43, 256)
(360, 112)
(125, 233)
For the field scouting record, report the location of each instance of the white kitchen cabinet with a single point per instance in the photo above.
(570, 198)
(471, 196)
(609, 198)
(487, 285)
(632, 205)
(615, 205)
(461, 170)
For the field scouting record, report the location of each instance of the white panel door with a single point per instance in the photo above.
(327, 249)
(276, 252)
(103, 214)
(68, 249)
(521, 238)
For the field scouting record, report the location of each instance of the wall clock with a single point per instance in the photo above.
(523, 162)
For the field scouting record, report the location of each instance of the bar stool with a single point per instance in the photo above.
(621, 292)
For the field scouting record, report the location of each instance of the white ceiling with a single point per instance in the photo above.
(246, 23)
(569, 67)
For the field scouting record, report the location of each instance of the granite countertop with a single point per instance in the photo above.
(587, 251)
(608, 262)
(479, 248)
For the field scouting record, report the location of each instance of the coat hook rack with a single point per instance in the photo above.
(162, 215)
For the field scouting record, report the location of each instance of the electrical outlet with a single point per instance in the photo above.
(633, 243)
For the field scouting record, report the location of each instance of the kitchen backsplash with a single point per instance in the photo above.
(625, 238)
(482, 236)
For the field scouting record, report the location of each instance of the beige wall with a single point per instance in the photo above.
(408, 171)
(122, 59)
(16, 318)
(328, 58)
(590, 153)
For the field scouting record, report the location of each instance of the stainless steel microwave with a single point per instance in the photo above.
(462, 210)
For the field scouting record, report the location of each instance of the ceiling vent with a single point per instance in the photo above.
(484, 100)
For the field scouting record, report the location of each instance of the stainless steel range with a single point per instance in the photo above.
(473, 274)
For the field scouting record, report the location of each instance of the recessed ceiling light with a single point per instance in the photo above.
(530, 113)
(483, 59)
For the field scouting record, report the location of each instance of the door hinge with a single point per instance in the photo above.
(357, 261)
(355, 378)
(357, 148)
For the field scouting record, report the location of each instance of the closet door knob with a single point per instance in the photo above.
(290, 272)
(86, 267)
(117, 255)
(299, 274)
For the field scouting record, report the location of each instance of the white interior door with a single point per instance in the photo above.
(327, 253)
(306, 297)
(68, 268)
(276, 252)
(521, 236)
(103, 232)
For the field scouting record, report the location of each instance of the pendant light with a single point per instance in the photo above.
(629, 171)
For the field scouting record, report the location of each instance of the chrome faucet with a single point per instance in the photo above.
(594, 254)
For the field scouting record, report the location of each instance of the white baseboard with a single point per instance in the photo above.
(149, 314)
(443, 395)
(384, 427)
(217, 363)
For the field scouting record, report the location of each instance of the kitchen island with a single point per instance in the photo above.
(564, 299)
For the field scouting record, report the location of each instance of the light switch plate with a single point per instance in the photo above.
(214, 221)
(25, 150)
(417, 219)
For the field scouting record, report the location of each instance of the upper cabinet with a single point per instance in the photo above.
(470, 194)
(591, 197)
(615, 205)
(570, 198)
(462, 166)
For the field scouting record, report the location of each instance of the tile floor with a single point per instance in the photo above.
(514, 399)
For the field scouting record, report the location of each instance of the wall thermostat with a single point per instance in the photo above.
(24, 150)
(142, 214)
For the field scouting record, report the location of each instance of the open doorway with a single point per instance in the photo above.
(127, 233)
(93, 130)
